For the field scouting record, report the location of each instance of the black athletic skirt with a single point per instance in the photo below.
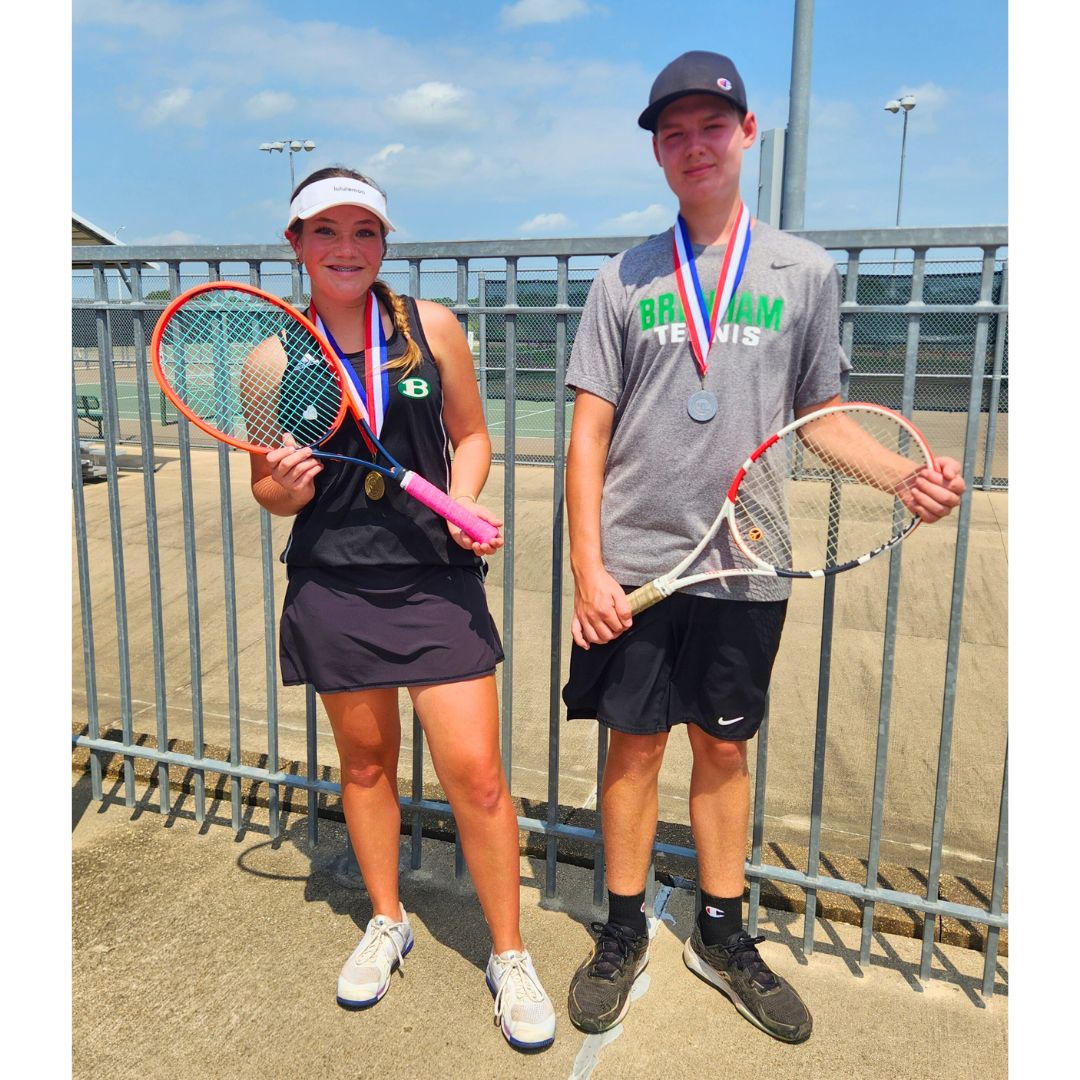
(386, 628)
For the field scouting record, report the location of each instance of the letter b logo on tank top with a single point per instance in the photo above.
(414, 388)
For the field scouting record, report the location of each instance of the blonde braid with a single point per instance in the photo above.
(400, 314)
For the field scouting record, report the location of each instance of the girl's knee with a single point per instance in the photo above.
(365, 773)
(481, 787)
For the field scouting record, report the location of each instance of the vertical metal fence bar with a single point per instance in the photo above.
(463, 293)
(481, 300)
(85, 600)
(270, 643)
(266, 534)
(820, 741)
(296, 280)
(191, 568)
(111, 428)
(153, 554)
(888, 657)
(828, 608)
(757, 841)
(562, 277)
(416, 852)
(952, 662)
(463, 320)
(312, 762)
(851, 296)
(997, 890)
(417, 791)
(459, 855)
(598, 843)
(995, 381)
(228, 556)
(228, 559)
(417, 837)
(509, 488)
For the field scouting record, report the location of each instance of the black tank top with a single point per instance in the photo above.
(341, 527)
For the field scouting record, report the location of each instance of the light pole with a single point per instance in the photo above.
(294, 146)
(907, 103)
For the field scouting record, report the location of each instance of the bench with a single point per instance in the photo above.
(88, 408)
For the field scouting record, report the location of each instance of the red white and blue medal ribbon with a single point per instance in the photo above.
(369, 395)
(700, 322)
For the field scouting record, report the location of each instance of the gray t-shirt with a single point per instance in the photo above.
(777, 350)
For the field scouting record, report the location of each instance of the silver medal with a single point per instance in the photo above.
(702, 406)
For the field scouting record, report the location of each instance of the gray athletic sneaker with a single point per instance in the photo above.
(763, 997)
(365, 978)
(600, 989)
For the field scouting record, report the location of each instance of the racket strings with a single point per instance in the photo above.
(249, 370)
(830, 492)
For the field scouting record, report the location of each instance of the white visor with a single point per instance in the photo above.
(338, 191)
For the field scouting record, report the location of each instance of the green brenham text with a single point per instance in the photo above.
(745, 309)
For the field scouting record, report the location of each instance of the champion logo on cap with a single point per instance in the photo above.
(723, 84)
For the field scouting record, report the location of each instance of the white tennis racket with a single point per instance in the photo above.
(824, 494)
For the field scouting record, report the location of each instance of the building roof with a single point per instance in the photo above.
(84, 233)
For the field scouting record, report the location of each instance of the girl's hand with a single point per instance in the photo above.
(481, 512)
(294, 469)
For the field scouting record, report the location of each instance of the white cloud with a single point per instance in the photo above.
(268, 104)
(530, 12)
(386, 153)
(150, 16)
(653, 219)
(931, 101)
(172, 107)
(177, 236)
(545, 223)
(431, 104)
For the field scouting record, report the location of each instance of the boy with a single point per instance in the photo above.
(662, 420)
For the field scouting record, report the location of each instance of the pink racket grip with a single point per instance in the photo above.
(476, 528)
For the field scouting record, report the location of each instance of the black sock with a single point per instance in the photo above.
(628, 911)
(720, 918)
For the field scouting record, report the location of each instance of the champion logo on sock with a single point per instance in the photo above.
(713, 913)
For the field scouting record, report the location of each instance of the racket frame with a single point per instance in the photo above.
(238, 286)
(660, 587)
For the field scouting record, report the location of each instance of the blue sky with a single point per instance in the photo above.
(499, 120)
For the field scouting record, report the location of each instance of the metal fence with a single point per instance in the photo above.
(927, 335)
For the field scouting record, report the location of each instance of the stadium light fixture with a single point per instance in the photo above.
(294, 146)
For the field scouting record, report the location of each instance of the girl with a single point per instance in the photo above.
(383, 593)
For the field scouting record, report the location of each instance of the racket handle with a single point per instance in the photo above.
(645, 597)
(476, 528)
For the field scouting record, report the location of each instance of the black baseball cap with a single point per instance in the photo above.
(694, 73)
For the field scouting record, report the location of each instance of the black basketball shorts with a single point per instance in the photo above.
(687, 660)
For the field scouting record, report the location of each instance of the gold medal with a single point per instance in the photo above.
(374, 485)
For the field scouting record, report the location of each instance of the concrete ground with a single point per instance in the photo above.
(200, 953)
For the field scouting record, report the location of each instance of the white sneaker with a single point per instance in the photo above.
(522, 1006)
(366, 974)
